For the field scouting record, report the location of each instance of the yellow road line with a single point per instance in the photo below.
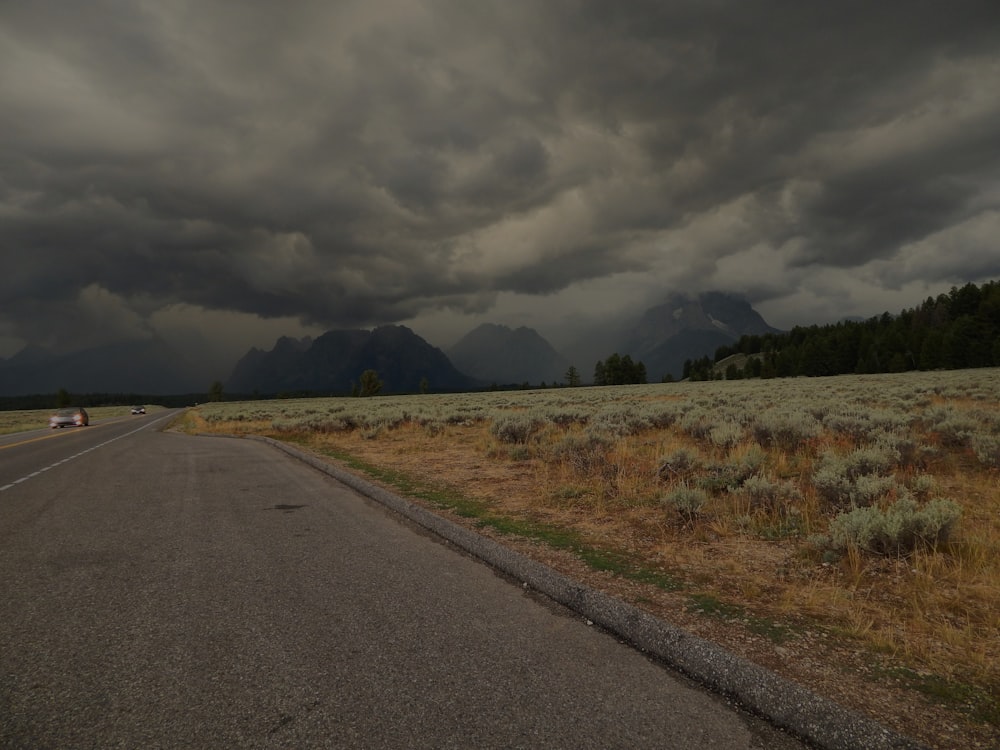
(40, 437)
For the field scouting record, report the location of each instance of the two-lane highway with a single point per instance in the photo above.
(162, 591)
(26, 456)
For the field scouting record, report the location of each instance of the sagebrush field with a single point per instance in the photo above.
(863, 510)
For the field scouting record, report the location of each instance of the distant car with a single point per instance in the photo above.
(72, 417)
(138, 409)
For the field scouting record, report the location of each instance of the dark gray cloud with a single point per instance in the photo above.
(355, 163)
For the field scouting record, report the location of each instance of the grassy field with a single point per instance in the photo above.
(33, 419)
(856, 516)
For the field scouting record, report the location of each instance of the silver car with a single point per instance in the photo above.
(72, 417)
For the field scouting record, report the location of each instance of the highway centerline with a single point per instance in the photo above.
(34, 474)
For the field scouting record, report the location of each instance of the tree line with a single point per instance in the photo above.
(619, 370)
(957, 330)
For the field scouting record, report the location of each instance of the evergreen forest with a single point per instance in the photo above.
(957, 330)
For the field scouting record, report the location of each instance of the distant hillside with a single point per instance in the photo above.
(498, 354)
(333, 363)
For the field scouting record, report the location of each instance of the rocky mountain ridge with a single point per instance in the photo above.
(333, 363)
(685, 328)
(498, 354)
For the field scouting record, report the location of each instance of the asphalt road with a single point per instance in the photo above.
(159, 590)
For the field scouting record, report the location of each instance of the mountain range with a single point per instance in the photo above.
(146, 366)
(333, 363)
(663, 337)
(685, 328)
(497, 354)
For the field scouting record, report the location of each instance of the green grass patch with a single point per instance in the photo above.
(596, 558)
(977, 703)
(446, 498)
(707, 604)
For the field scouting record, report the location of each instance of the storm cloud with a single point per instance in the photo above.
(237, 170)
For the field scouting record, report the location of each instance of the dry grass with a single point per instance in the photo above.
(23, 419)
(33, 419)
(921, 630)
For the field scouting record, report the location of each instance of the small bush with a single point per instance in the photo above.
(987, 449)
(902, 445)
(680, 463)
(954, 428)
(586, 452)
(749, 463)
(686, 501)
(859, 478)
(316, 424)
(895, 530)
(765, 493)
(566, 416)
(515, 428)
(786, 430)
(870, 460)
(697, 424)
(462, 417)
(861, 424)
(726, 435)
(923, 485)
(866, 490)
(619, 421)
(840, 491)
(718, 478)
(662, 417)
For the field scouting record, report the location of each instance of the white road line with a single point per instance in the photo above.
(77, 455)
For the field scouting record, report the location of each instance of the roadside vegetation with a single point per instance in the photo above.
(865, 508)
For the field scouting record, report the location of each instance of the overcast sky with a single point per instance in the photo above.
(220, 173)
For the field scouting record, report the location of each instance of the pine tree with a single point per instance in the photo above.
(370, 383)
